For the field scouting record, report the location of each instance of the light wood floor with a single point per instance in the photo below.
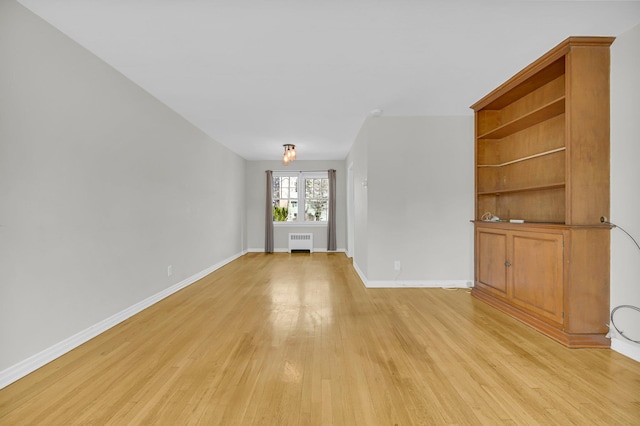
(297, 339)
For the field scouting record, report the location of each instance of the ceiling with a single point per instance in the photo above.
(256, 74)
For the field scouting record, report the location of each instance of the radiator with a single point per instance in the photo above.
(300, 242)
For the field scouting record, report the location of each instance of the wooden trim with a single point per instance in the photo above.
(534, 226)
(567, 339)
(542, 63)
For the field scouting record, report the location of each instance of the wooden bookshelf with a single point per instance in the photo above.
(542, 156)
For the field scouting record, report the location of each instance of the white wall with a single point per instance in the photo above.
(101, 188)
(255, 190)
(625, 186)
(357, 160)
(419, 200)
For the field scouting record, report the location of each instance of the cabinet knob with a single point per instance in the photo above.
(507, 264)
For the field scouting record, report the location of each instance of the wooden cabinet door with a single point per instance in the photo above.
(491, 253)
(536, 273)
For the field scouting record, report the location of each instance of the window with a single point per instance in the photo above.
(300, 197)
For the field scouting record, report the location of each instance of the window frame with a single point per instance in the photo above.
(302, 177)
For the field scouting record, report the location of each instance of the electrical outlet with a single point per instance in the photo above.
(169, 270)
(396, 265)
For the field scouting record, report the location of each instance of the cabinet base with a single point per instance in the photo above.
(567, 339)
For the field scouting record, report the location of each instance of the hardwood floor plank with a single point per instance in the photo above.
(298, 340)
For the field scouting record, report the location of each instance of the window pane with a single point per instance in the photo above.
(316, 199)
(285, 211)
(316, 210)
(293, 212)
(286, 202)
(308, 193)
(279, 211)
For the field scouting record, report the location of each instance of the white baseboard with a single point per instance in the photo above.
(363, 278)
(286, 250)
(628, 349)
(36, 361)
(420, 284)
(412, 283)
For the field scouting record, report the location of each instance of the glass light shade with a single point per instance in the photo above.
(289, 153)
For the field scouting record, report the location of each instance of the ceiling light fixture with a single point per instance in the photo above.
(289, 153)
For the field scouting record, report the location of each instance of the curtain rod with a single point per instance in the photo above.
(301, 171)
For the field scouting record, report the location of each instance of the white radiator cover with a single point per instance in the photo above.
(301, 241)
